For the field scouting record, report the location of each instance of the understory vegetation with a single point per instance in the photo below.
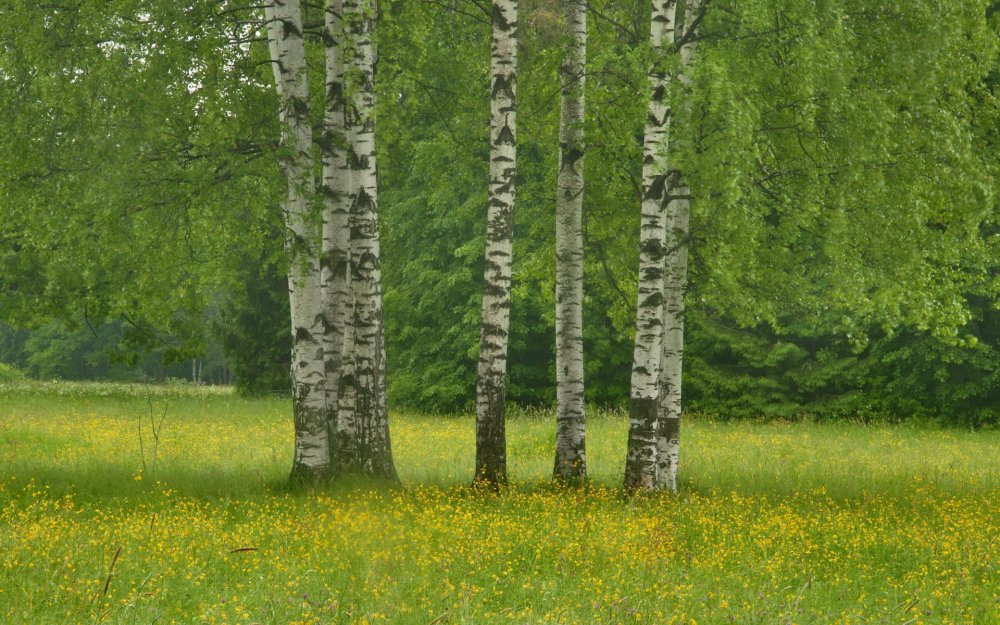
(135, 504)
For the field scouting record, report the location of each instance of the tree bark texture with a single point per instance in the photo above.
(571, 450)
(491, 383)
(336, 213)
(675, 281)
(302, 241)
(640, 462)
(371, 427)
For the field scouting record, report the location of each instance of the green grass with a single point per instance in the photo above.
(784, 523)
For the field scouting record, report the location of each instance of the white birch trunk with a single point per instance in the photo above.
(336, 214)
(640, 463)
(373, 454)
(347, 430)
(675, 281)
(571, 450)
(491, 383)
(302, 239)
(672, 360)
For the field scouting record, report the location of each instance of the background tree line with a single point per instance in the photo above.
(155, 137)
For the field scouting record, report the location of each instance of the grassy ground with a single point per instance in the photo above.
(776, 523)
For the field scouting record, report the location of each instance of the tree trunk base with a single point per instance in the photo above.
(640, 463)
(570, 472)
(302, 474)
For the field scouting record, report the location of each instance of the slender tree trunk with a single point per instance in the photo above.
(640, 463)
(571, 450)
(672, 359)
(347, 429)
(675, 282)
(312, 453)
(336, 214)
(374, 453)
(491, 383)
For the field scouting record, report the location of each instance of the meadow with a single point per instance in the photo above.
(101, 521)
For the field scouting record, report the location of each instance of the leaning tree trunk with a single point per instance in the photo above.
(336, 214)
(571, 449)
(373, 453)
(491, 383)
(675, 282)
(640, 463)
(288, 59)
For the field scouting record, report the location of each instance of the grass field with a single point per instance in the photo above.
(775, 524)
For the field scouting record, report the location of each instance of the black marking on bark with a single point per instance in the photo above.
(289, 29)
(656, 189)
(299, 108)
(652, 248)
(353, 163)
(332, 365)
(496, 290)
(505, 136)
(335, 94)
(330, 193)
(502, 228)
(659, 15)
(368, 261)
(571, 154)
(500, 22)
(502, 86)
(363, 203)
(326, 262)
(654, 299)
(493, 329)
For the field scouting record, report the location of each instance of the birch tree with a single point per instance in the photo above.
(640, 462)
(302, 240)
(675, 280)
(373, 455)
(672, 354)
(336, 234)
(571, 453)
(491, 382)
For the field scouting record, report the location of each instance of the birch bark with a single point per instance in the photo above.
(302, 240)
(675, 282)
(672, 359)
(640, 462)
(371, 420)
(491, 383)
(347, 430)
(336, 214)
(571, 452)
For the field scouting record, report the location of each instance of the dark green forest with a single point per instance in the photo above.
(845, 233)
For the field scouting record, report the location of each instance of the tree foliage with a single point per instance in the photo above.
(842, 156)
